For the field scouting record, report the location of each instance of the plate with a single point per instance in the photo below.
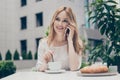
(97, 74)
(54, 71)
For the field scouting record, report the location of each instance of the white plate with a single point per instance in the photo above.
(97, 74)
(55, 71)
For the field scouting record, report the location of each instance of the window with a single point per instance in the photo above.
(23, 44)
(23, 22)
(37, 42)
(39, 19)
(23, 2)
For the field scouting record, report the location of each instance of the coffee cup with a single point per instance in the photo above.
(54, 65)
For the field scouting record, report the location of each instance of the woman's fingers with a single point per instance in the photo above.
(48, 56)
(51, 52)
(71, 32)
(43, 67)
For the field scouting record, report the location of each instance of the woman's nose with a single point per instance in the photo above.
(60, 22)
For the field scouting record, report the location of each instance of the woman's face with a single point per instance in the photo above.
(61, 23)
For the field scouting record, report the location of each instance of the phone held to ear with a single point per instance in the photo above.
(67, 31)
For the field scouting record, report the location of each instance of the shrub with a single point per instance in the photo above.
(24, 55)
(16, 55)
(8, 55)
(7, 68)
(0, 56)
(29, 55)
(35, 56)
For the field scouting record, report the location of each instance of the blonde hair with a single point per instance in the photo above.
(77, 43)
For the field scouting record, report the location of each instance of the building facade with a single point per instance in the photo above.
(24, 22)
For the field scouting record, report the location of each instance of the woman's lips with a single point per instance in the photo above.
(60, 28)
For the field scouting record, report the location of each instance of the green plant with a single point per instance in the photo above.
(16, 55)
(29, 55)
(6, 68)
(105, 15)
(0, 56)
(8, 55)
(35, 55)
(24, 55)
(84, 65)
(47, 31)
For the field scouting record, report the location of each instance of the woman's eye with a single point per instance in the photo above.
(65, 21)
(57, 19)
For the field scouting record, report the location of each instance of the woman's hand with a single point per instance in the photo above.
(43, 67)
(48, 56)
(71, 32)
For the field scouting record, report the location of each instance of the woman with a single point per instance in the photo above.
(63, 43)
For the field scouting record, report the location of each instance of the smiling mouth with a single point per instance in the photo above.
(60, 28)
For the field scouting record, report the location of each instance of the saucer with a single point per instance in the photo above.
(54, 71)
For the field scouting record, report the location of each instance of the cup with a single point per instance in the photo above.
(54, 65)
(113, 68)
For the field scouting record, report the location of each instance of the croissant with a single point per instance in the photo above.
(94, 69)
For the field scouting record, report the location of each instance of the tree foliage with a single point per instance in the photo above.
(106, 16)
(30, 55)
(16, 55)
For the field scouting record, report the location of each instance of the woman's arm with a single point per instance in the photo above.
(74, 58)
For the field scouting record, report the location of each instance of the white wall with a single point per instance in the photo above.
(7, 26)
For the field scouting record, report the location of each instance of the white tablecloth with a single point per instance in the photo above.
(68, 75)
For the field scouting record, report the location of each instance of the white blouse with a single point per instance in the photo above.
(60, 54)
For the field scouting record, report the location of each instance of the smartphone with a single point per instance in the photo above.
(67, 31)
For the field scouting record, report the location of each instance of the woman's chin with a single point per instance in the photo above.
(60, 33)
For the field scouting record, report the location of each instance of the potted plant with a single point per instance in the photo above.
(106, 17)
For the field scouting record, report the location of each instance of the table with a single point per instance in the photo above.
(68, 75)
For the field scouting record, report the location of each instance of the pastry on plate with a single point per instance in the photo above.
(94, 69)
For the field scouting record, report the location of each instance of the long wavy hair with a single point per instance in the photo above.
(77, 42)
